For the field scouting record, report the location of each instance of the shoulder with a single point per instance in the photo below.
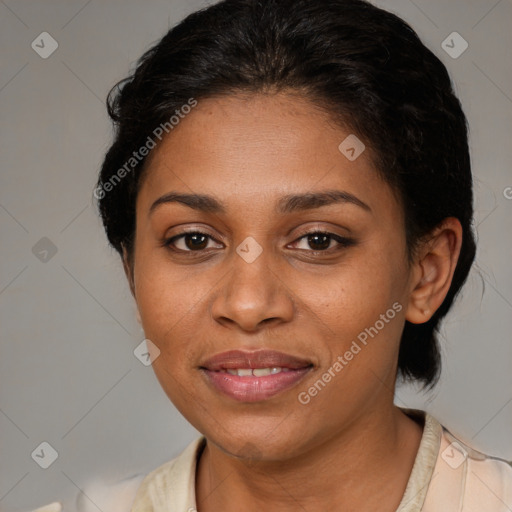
(172, 485)
(169, 484)
(467, 480)
(117, 497)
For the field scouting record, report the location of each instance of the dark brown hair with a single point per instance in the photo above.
(363, 65)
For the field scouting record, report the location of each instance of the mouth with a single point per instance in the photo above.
(254, 376)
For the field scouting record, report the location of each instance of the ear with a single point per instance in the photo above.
(433, 270)
(128, 270)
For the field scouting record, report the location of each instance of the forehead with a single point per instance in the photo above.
(258, 147)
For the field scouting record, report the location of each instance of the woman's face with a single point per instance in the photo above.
(257, 175)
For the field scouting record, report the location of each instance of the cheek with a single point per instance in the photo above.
(165, 298)
(358, 307)
(173, 304)
(351, 297)
(164, 292)
(169, 305)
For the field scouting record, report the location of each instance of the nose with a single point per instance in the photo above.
(252, 296)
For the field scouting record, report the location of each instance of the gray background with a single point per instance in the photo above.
(68, 373)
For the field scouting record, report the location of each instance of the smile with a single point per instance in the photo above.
(256, 372)
(254, 376)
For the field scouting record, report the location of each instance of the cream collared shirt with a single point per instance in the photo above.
(447, 476)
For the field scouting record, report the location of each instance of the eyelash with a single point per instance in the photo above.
(343, 242)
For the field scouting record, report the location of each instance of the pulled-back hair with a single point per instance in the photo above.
(364, 66)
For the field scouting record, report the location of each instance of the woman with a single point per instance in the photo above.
(290, 191)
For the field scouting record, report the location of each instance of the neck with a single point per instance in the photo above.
(376, 451)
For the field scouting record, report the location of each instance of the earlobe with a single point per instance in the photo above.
(433, 271)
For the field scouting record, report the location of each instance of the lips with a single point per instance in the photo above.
(254, 376)
(235, 359)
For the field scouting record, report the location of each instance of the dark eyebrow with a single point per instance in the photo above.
(308, 201)
(201, 202)
(287, 204)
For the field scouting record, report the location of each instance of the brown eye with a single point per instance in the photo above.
(196, 241)
(319, 241)
(193, 241)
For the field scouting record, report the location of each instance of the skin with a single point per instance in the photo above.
(278, 454)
